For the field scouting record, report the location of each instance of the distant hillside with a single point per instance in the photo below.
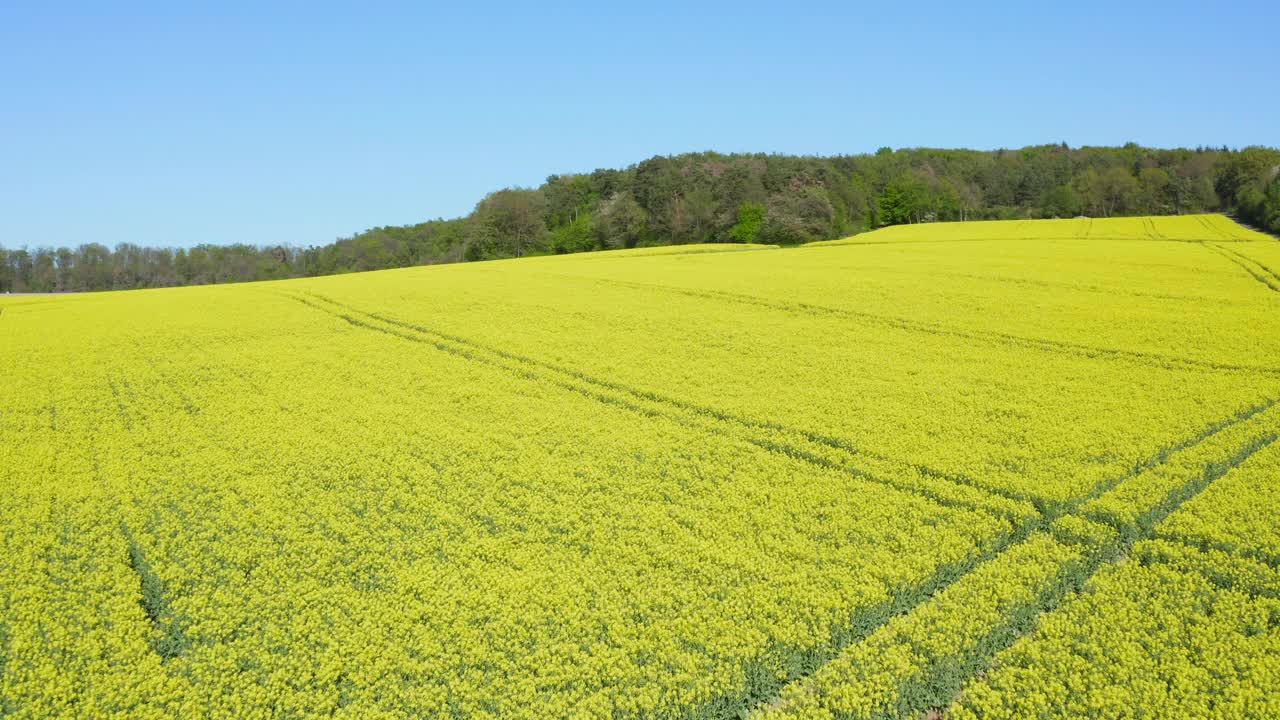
(715, 198)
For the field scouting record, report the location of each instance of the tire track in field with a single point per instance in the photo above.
(831, 244)
(942, 673)
(1268, 270)
(799, 438)
(936, 675)
(1205, 543)
(1151, 229)
(1272, 283)
(1170, 504)
(5, 652)
(937, 686)
(1253, 261)
(902, 323)
(1032, 282)
(908, 600)
(1217, 232)
(188, 404)
(119, 391)
(947, 489)
(169, 639)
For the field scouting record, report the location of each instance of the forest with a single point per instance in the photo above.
(713, 198)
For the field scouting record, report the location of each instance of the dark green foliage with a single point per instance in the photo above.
(750, 218)
(5, 707)
(1259, 203)
(620, 222)
(710, 197)
(799, 213)
(507, 223)
(577, 235)
(169, 638)
(1062, 202)
(899, 203)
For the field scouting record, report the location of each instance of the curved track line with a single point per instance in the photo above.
(902, 323)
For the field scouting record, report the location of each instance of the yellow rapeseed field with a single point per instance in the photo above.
(987, 469)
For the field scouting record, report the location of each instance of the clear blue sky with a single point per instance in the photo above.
(165, 125)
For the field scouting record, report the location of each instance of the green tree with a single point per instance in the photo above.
(695, 216)
(578, 235)
(620, 222)
(1154, 190)
(904, 200)
(507, 223)
(751, 218)
(799, 214)
(1062, 201)
(567, 197)
(1112, 192)
(697, 197)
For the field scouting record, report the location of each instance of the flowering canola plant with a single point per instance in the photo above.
(844, 480)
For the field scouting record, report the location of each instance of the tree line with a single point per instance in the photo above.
(716, 198)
